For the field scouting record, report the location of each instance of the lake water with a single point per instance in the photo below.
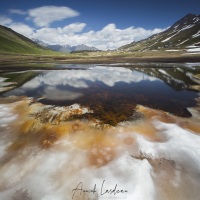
(91, 132)
(113, 91)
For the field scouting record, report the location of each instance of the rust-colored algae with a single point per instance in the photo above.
(17, 145)
(27, 126)
(100, 146)
(128, 141)
(49, 139)
(150, 113)
(54, 144)
(42, 126)
(191, 126)
(147, 130)
(99, 156)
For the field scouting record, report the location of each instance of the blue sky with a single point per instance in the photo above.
(106, 24)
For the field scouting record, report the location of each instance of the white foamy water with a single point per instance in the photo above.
(125, 162)
(6, 117)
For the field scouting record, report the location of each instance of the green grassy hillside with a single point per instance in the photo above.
(12, 42)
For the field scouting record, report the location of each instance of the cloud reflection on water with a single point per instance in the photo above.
(63, 84)
(79, 78)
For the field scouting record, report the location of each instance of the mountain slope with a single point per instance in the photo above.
(65, 48)
(183, 34)
(83, 47)
(12, 42)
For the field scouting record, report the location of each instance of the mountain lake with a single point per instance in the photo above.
(118, 131)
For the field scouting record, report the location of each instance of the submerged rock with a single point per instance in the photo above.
(55, 115)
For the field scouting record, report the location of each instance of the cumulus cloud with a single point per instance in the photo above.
(22, 29)
(5, 20)
(44, 16)
(109, 37)
(73, 28)
(79, 78)
(55, 94)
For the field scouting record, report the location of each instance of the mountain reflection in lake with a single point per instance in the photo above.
(100, 140)
(113, 92)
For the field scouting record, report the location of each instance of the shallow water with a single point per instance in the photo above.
(113, 92)
(72, 152)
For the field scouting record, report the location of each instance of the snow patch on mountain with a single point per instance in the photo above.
(193, 50)
(169, 38)
(65, 48)
(197, 34)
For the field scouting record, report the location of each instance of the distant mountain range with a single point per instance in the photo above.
(65, 48)
(184, 34)
(13, 42)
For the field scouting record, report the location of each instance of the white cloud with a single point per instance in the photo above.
(5, 20)
(73, 28)
(44, 16)
(22, 29)
(59, 35)
(55, 94)
(18, 12)
(79, 78)
(110, 37)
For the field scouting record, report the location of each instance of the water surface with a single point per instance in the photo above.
(150, 154)
(112, 92)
